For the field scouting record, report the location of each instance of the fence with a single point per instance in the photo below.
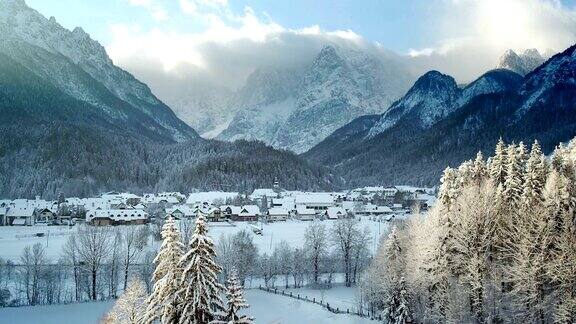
(326, 305)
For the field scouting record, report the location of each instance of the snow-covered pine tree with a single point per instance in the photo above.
(163, 303)
(559, 207)
(480, 170)
(448, 188)
(513, 179)
(235, 303)
(522, 153)
(397, 300)
(128, 307)
(465, 173)
(398, 306)
(498, 163)
(528, 271)
(200, 291)
(534, 179)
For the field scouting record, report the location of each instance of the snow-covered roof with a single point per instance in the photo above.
(183, 209)
(277, 211)
(116, 214)
(234, 210)
(376, 209)
(249, 210)
(335, 212)
(20, 211)
(315, 198)
(260, 193)
(303, 210)
(210, 196)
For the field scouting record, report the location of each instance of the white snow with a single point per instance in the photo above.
(13, 239)
(265, 307)
(81, 313)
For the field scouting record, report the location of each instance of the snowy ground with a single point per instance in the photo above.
(13, 239)
(339, 296)
(265, 307)
(81, 313)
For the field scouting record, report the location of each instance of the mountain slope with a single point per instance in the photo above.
(80, 67)
(72, 123)
(262, 105)
(499, 104)
(296, 109)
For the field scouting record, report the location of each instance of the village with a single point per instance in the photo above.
(262, 205)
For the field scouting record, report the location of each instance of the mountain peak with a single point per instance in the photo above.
(522, 64)
(434, 80)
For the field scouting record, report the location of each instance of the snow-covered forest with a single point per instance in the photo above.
(499, 246)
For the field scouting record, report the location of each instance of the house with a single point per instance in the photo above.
(259, 194)
(20, 215)
(248, 213)
(315, 200)
(335, 213)
(288, 203)
(374, 210)
(99, 217)
(305, 214)
(230, 211)
(277, 214)
(210, 197)
(180, 211)
(44, 215)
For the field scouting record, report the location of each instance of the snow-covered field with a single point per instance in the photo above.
(339, 296)
(13, 239)
(81, 313)
(267, 308)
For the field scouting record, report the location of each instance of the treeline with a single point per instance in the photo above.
(54, 158)
(500, 246)
(94, 264)
(344, 248)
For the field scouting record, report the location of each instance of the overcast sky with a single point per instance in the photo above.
(223, 40)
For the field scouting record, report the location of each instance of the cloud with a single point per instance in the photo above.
(226, 51)
(468, 38)
(474, 33)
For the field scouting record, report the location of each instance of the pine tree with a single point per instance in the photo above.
(448, 188)
(201, 291)
(397, 301)
(480, 170)
(498, 163)
(398, 306)
(163, 303)
(128, 307)
(534, 179)
(235, 302)
(513, 180)
(465, 173)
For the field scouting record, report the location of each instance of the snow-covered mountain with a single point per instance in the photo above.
(79, 66)
(262, 105)
(200, 104)
(431, 98)
(437, 124)
(295, 110)
(522, 63)
(72, 123)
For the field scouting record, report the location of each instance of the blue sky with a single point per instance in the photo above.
(397, 24)
(226, 39)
